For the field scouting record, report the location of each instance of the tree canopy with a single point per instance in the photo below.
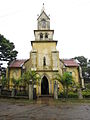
(31, 75)
(85, 67)
(82, 60)
(7, 52)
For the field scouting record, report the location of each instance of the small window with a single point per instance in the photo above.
(44, 61)
(70, 73)
(41, 35)
(46, 35)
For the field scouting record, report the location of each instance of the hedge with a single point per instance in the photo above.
(86, 94)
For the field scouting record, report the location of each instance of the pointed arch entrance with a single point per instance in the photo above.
(44, 86)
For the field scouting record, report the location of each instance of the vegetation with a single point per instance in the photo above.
(7, 52)
(85, 65)
(30, 75)
(66, 80)
(23, 82)
(4, 82)
(16, 82)
(70, 95)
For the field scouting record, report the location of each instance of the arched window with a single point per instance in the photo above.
(46, 35)
(41, 35)
(43, 23)
(44, 61)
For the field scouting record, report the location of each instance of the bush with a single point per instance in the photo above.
(6, 92)
(70, 95)
(21, 93)
(87, 85)
(86, 93)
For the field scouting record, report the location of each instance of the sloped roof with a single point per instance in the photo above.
(17, 63)
(41, 14)
(70, 63)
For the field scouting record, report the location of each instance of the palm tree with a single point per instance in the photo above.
(30, 75)
(66, 80)
(35, 77)
(15, 83)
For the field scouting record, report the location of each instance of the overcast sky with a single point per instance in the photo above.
(69, 18)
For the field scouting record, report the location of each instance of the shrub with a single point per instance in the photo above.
(86, 93)
(70, 95)
(87, 85)
(21, 93)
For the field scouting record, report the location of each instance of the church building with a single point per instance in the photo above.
(44, 59)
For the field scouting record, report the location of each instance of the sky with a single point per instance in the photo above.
(70, 20)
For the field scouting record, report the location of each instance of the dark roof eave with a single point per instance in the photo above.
(71, 65)
(43, 30)
(14, 67)
(44, 41)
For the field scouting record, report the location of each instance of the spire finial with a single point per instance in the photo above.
(43, 9)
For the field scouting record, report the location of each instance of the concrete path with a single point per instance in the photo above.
(43, 110)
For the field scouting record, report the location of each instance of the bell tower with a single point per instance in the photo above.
(44, 57)
(43, 31)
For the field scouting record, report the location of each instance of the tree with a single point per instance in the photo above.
(7, 52)
(15, 82)
(82, 60)
(4, 82)
(27, 78)
(85, 67)
(66, 80)
(30, 75)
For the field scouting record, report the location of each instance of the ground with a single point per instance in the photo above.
(46, 109)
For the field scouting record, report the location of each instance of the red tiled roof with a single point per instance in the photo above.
(17, 63)
(70, 62)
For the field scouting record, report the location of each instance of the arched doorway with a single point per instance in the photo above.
(44, 86)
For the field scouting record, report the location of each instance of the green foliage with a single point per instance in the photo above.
(70, 95)
(21, 93)
(85, 67)
(15, 82)
(87, 85)
(66, 80)
(4, 82)
(74, 94)
(86, 93)
(30, 75)
(7, 52)
(82, 60)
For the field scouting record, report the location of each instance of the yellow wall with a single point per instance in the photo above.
(48, 46)
(44, 49)
(27, 65)
(14, 73)
(75, 73)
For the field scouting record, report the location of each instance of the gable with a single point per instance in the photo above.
(43, 15)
